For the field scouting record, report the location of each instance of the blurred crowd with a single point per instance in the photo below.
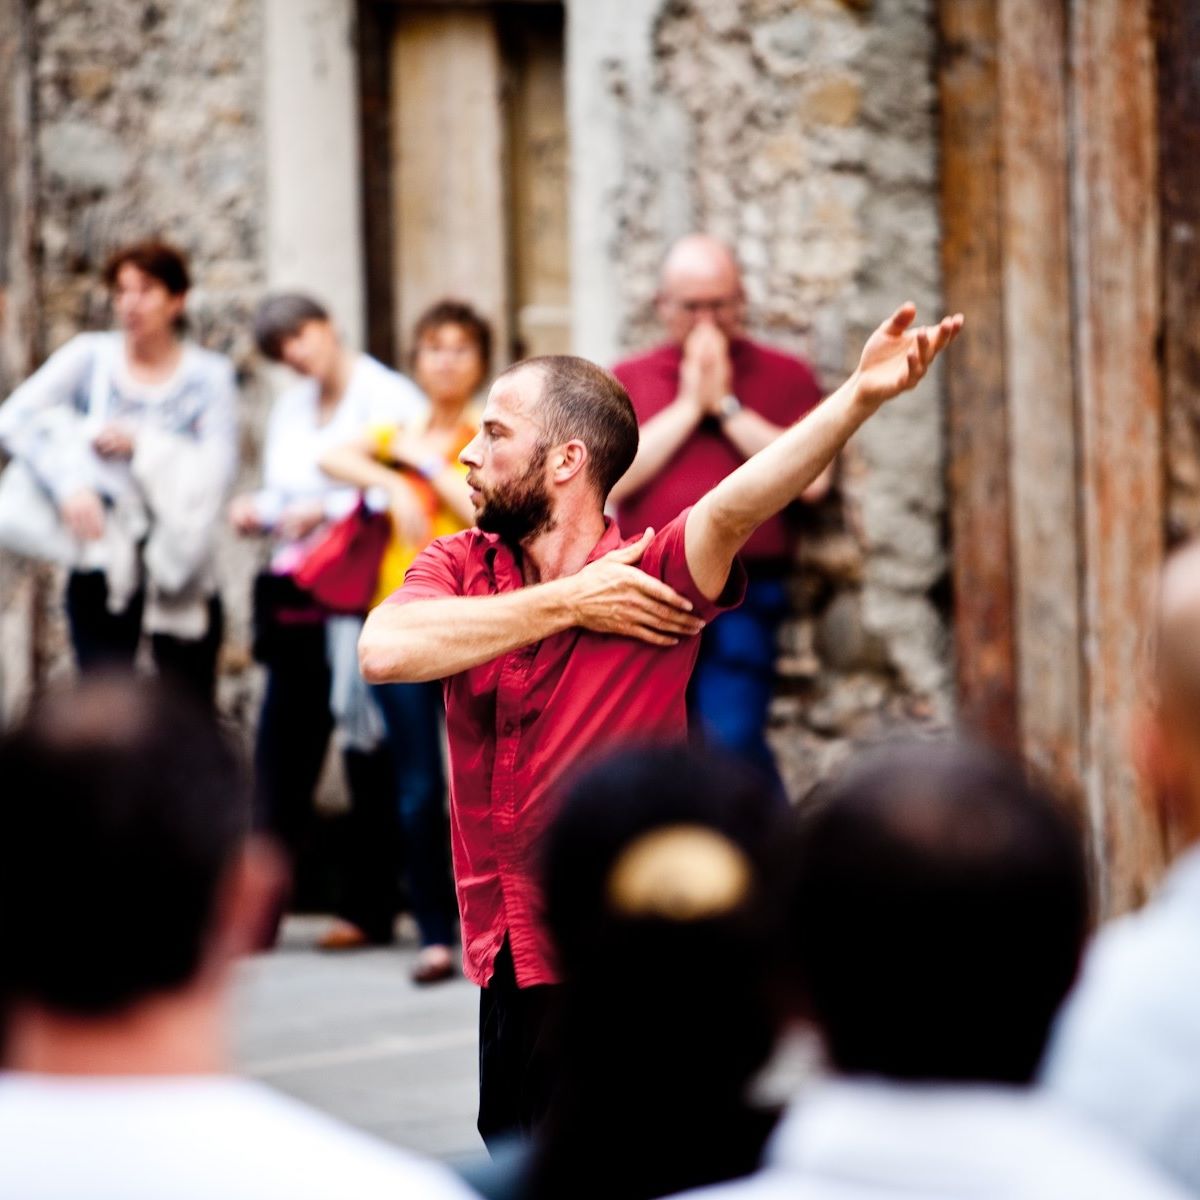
(925, 915)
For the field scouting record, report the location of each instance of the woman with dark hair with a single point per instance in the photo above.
(339, 395)
(133, 436)
(651, 888)
(416, 463)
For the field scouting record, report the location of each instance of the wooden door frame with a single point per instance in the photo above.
(374, 23)
(1027, 235)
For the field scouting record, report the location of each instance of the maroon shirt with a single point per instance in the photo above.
(516, 723)
(777, 386)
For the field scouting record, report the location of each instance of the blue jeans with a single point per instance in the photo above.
(731, 686)
(412, 713)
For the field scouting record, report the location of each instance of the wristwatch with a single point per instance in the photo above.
(729, 405)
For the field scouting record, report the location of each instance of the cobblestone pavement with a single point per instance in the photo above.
(351, 1034)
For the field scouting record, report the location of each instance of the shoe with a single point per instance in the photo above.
(434, 964)
(343, 936)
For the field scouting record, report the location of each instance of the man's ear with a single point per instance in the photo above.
(568, 460)
(251, 900)
(1157, 763)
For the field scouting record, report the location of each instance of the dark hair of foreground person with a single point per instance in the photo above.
(934, 905)
(652, 886)
(123, 808)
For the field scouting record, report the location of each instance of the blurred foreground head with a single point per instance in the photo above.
(652, 879)
(125, 873)
(935, 906)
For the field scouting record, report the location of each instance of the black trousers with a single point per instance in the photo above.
(104, 639)
(293, 733)
(515, 1055)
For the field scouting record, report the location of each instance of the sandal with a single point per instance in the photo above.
(433, 964)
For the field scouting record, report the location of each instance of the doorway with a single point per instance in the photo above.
(466, 155)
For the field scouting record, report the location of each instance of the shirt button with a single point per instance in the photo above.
(508, 728)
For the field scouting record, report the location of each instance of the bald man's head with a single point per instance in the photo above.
(700, 281)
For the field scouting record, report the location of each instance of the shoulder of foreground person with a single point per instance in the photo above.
(1125, 1048)
(326, 1145)
(195, 1139)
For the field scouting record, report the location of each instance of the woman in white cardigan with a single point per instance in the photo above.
(133, 435)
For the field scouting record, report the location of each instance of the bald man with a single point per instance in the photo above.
(1127, 1048)
(706, 400)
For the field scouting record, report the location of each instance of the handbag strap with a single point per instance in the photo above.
(100, 385)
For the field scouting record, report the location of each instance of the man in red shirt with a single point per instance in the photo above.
(706, 400)
(553, 644)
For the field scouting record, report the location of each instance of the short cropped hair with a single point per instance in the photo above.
(282, 316)
(584, 401)
(123, 807)
(935, 906)
(652, 867)
(455, 312)
(158, 259)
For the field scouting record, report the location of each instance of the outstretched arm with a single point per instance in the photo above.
(439, 637)
(894, 360)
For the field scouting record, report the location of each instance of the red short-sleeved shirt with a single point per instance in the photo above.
(516, 723)
(775, 385)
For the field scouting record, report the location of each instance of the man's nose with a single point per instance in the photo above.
(468, 455)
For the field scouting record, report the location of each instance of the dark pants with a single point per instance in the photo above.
(104, 639)
(412, 713)
(734, 677)
(515, 1066)
(293, 735)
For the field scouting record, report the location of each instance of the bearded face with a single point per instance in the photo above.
(520, 508)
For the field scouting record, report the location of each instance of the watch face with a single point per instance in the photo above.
(729, 405)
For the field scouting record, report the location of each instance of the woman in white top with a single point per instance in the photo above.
(133, 435)
(339, 396)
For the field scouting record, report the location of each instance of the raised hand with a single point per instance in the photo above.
(611, 595)
(897, 355)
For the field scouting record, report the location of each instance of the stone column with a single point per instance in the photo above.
(314, 216)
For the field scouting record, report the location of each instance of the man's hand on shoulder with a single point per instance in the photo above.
(612, 595)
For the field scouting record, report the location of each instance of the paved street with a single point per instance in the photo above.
(351, 1034)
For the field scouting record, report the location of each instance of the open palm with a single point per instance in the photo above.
(897, 355)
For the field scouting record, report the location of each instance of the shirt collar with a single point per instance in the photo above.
(504, 564)
(882, 1131)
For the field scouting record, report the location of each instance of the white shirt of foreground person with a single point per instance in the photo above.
(192, 1138)
(875, 1140)
(1126, 1047)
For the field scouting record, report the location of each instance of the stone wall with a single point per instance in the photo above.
(804, 133)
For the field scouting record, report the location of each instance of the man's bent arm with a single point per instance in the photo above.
(432, 639)
(894, 360)
(440, 636)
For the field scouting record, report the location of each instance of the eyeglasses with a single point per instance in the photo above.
(720, 304)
